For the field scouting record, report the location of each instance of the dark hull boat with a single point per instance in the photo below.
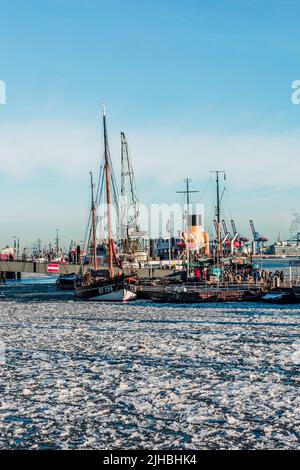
(296, 293)
(106, 292)
(66, 282)
(280, 296)
(116, 289)
(103, 285)
(196, 294)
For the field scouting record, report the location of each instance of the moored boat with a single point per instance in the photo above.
(280, 296)
(104, 285)
(66, 281)
(116, 289)
(190, 294)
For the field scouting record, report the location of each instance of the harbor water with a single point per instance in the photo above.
(86, 375)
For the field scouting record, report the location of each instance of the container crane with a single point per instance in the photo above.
(227, 239)
(241, 238)
(235, 243)
(238, 240)
(258, 240)
(256, 236)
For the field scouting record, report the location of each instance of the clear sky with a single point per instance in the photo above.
(197, 85)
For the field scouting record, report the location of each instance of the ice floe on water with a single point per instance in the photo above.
(88, 375)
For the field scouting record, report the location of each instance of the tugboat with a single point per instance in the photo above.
(205, 279)
(189, 292)
(104, 285)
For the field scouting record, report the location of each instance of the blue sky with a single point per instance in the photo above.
(196, 85)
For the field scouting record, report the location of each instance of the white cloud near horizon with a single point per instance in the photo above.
(60, 147)
(251, 161)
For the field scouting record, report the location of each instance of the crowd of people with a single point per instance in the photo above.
(250, 275)
(237, 275)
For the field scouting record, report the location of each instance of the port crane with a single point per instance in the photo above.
(226, 239)
(238, 240)
(235, 241)
(233, 227)
(227, 236)
(241, 238)
(258, 239)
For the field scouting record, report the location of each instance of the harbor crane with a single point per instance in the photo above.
(226, 231)
(258, 240)
(227, 236)
(233, 227)
(241, 238)
(238, 240)
(226, 239)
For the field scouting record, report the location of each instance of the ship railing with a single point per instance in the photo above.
(262, 284)
(293, 282)
(192, 287)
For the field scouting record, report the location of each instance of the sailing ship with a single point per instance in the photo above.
(104, 284)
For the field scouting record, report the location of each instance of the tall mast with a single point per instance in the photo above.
(108, 198)
(187, 192)
(94, 224)
(57, 242)
(218, 214)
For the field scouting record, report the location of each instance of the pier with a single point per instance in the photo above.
(14, 269)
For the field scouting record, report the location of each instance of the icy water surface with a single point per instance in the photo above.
(88, 375)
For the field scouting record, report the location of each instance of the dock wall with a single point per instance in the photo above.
(18, 267)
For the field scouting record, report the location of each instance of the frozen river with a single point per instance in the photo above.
(88, 375)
